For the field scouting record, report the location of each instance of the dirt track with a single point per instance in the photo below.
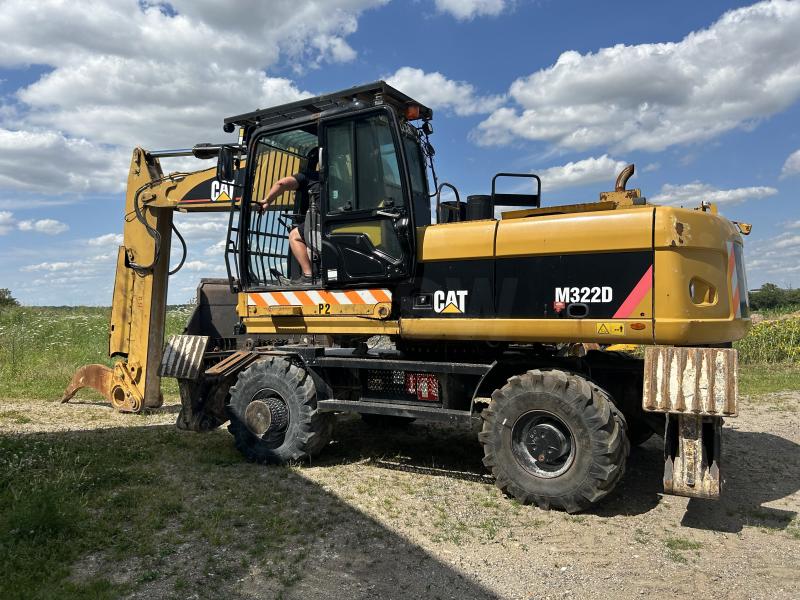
(410, 513)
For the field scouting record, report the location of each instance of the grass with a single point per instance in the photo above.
(41, 347)
(676, 546)
(129, 498)
(759, 379)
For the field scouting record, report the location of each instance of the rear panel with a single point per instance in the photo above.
(701, 288)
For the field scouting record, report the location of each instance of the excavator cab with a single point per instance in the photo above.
(373, 192)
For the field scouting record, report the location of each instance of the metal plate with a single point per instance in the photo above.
(183, 356)
(697, 381)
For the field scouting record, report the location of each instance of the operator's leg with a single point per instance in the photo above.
(300, 251)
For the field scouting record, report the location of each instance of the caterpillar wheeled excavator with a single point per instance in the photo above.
(492, 313)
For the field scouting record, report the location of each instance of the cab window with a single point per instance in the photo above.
(362, 168)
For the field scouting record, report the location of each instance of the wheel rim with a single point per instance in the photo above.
(543, 444)
(267, 417)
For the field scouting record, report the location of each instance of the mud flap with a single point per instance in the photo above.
(183, 356)
(692, 456)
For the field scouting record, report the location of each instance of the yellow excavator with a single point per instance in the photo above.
(467, 312)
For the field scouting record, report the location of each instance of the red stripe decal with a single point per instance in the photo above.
(633, 299)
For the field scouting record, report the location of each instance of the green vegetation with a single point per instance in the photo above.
(125, 499)
(6, 299)
(40, 347)
(776, 341)
(758, 379)
(769, 297)
(676, 546)
(769, 356)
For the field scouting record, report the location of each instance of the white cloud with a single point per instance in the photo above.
(581, 172)
(202, 227)
(464, 10)
(744, 67)
(792, 241)
(124, 73)
(792, 165)
(200, 266)
(108, 239)
(49, 161)
(695, 192)
(216, 249)
(6, 221)
(47, 226)
(775, 259)
(438, 92)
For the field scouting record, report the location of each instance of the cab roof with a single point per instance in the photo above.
(370, 94)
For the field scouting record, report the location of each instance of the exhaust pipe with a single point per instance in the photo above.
(622, 178)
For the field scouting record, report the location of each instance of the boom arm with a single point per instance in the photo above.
(138, 311)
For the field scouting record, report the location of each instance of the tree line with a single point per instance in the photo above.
(770, 295)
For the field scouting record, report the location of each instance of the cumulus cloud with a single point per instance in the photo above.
(581, 172)
(438, 92)
(49, 161)
(695, 192)
(792, 165)
(124, 73)
(108, 239)
(47, 226)
(744, 67)
(465, 10)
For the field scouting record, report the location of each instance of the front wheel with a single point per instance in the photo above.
(273, 413)
(554, 439)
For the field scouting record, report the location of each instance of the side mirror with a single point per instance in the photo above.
(225, 161)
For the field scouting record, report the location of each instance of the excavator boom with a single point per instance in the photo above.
(138, 312)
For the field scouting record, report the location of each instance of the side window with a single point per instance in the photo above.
(362, 167)
(339, 153)
(378, 171)
(416, 166)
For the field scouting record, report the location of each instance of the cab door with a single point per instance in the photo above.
(365, 222)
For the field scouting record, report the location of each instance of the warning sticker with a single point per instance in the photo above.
(611, 328)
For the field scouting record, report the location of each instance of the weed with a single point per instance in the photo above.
(676, 543)
(676, 556)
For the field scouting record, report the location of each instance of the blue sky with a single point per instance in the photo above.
(701, 96)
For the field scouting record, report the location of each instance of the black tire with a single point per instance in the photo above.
(386, 420)
(296, 429)
(589, 457)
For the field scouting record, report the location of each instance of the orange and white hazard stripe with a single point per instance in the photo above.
(317, 297)
(733, 277)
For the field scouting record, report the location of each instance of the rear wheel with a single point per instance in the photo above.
(273, 413)
(554, 439)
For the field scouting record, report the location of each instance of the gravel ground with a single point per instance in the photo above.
(411, 513)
